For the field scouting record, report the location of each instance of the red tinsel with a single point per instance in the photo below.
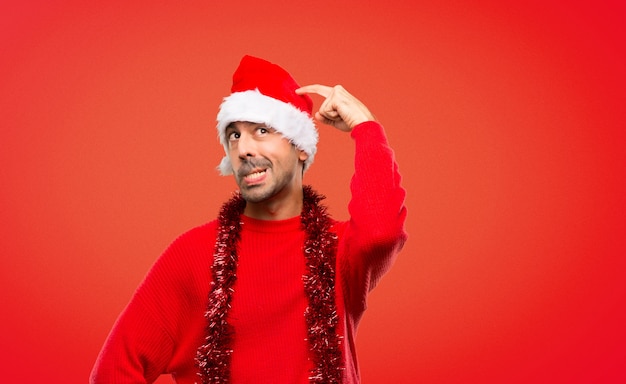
(320, 248)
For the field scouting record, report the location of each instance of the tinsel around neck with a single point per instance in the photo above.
(319, 250)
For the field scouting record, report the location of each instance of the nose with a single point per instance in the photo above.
(246, 146)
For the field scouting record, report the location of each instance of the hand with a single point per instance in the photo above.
(340, 109)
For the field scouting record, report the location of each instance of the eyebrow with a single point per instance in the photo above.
(229, 128)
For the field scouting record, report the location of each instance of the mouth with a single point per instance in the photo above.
(255, 177)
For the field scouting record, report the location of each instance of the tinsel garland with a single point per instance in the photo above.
(320, 247)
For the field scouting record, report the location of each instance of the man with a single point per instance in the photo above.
(274, 289)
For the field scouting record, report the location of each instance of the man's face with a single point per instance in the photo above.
(265, 164)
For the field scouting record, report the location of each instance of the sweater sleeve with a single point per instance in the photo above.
(145, 340)
(375, 232)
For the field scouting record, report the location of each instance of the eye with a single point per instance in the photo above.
(263, 130)
(233, 136)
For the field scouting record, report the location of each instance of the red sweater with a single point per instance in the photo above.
(163, 325)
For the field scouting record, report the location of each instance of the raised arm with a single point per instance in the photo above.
(375, 232)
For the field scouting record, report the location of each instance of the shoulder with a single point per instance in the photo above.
(184, 264)
(192, 246)
(197, 235)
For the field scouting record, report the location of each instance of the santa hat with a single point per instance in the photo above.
(263, 92)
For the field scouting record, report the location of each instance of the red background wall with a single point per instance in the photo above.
(507, 121)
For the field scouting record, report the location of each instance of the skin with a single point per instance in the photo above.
(268, 168)
(339, 109)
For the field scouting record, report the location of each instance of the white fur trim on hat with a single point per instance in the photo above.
(254, 107)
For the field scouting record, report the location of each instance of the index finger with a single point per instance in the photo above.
(319, 89)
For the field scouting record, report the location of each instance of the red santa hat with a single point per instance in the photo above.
(263, 92)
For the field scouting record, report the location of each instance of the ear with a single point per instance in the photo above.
(302, 155)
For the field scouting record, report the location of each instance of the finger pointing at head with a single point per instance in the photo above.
(319, 89)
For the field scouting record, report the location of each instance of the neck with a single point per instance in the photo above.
(275, 208)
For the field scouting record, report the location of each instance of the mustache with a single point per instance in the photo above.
(249, 164)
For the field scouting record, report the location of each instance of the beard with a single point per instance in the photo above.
(253, 193)
(274, 183)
